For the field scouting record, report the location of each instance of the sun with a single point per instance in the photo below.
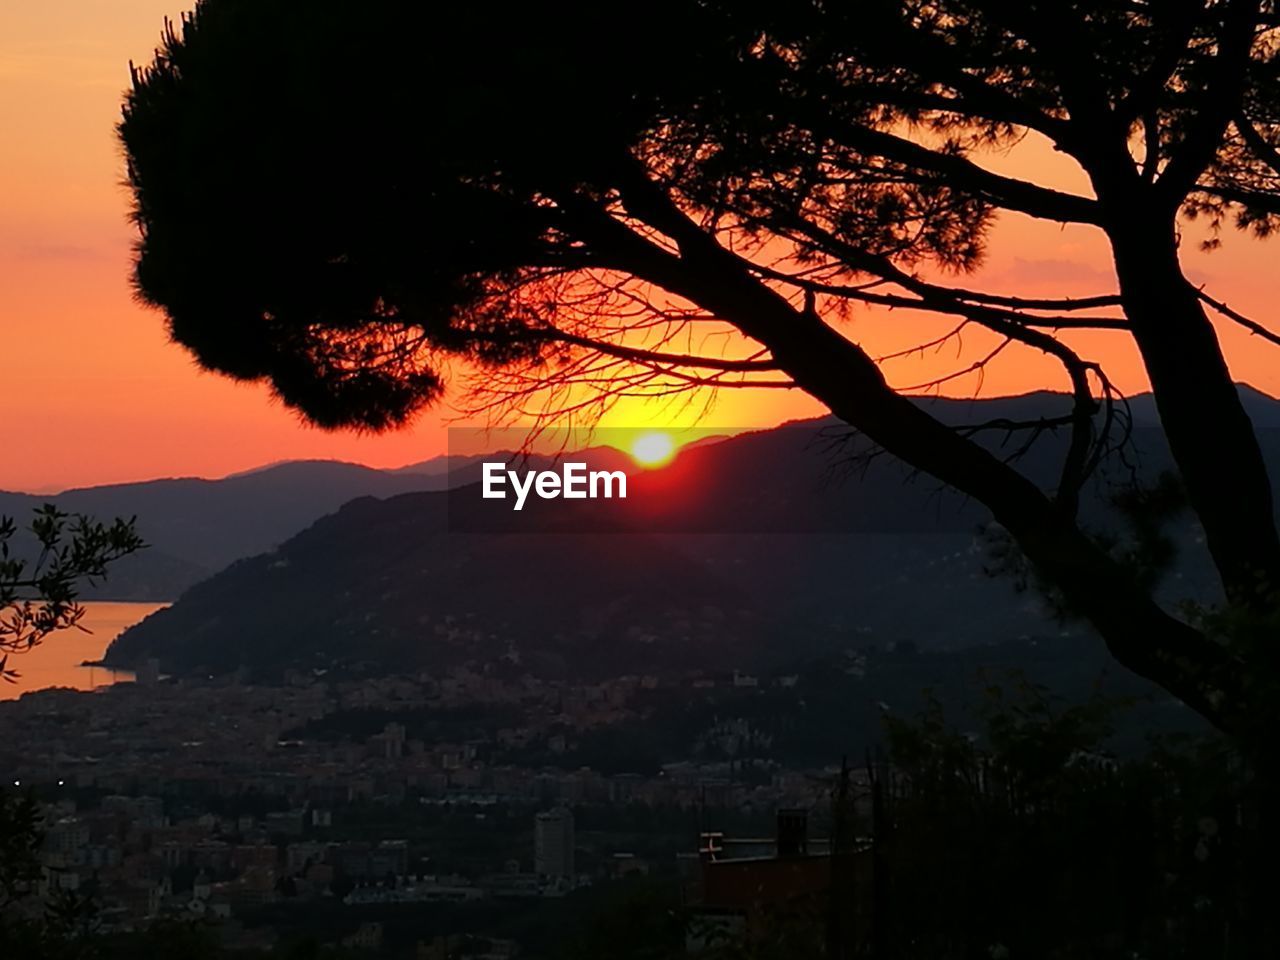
(653, 449)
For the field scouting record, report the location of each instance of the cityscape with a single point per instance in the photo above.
(233, 803)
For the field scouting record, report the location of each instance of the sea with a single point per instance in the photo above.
(59, 660)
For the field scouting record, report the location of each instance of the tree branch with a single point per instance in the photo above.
(1032, 199)
(1255, 141)
(1217, 103)
(1251, 325)
(841, 375)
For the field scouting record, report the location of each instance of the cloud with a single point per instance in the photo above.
(1069, 275)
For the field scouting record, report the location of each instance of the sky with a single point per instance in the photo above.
(99, 395)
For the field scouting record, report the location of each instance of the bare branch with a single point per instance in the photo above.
(1252, 326)
(1032, 199)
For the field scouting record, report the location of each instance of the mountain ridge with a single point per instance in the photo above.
(196, 526)
(728, 571)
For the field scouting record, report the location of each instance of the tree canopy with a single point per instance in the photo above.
(38, 593)
(341, 198)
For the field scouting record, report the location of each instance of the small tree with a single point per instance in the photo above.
(37, 599)
(38, 595)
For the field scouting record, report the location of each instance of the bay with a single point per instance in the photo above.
(57, 662)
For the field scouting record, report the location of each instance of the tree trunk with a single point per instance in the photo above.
(1137, 631)
(1209, 433)
(1201, 672)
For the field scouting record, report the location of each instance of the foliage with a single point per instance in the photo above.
(640, 920)
(518, 189)
(19, 849)
(38, 918)
(38, 597)
(41, 921)
(1032, 839)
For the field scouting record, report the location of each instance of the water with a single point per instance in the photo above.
(56, 662)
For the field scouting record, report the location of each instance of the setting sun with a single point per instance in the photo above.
(653, 449)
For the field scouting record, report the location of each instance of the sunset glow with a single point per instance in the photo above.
(104, 397)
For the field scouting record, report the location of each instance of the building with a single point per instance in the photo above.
(368, 936)
(738, 890)
(65, 840)
(553, 842)
(363, 860)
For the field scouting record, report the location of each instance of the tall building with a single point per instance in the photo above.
(553, 844)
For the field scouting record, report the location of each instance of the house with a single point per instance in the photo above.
(742, 889)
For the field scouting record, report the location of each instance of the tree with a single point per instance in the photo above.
(37, 599)
(38, 595)
(576, 201)
(29, 925)
(1029, 837)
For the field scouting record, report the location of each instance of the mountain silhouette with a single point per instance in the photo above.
(770, 544)
(195, 527)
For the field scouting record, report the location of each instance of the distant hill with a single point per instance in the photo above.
(196, 527)
(761, 546)
(384, 581)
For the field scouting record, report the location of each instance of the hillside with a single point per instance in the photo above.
(384, 581)
(196, 527)
(769, 543)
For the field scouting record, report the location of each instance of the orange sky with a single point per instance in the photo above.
(99, 395)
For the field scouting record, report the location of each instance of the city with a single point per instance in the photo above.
(233, 803)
